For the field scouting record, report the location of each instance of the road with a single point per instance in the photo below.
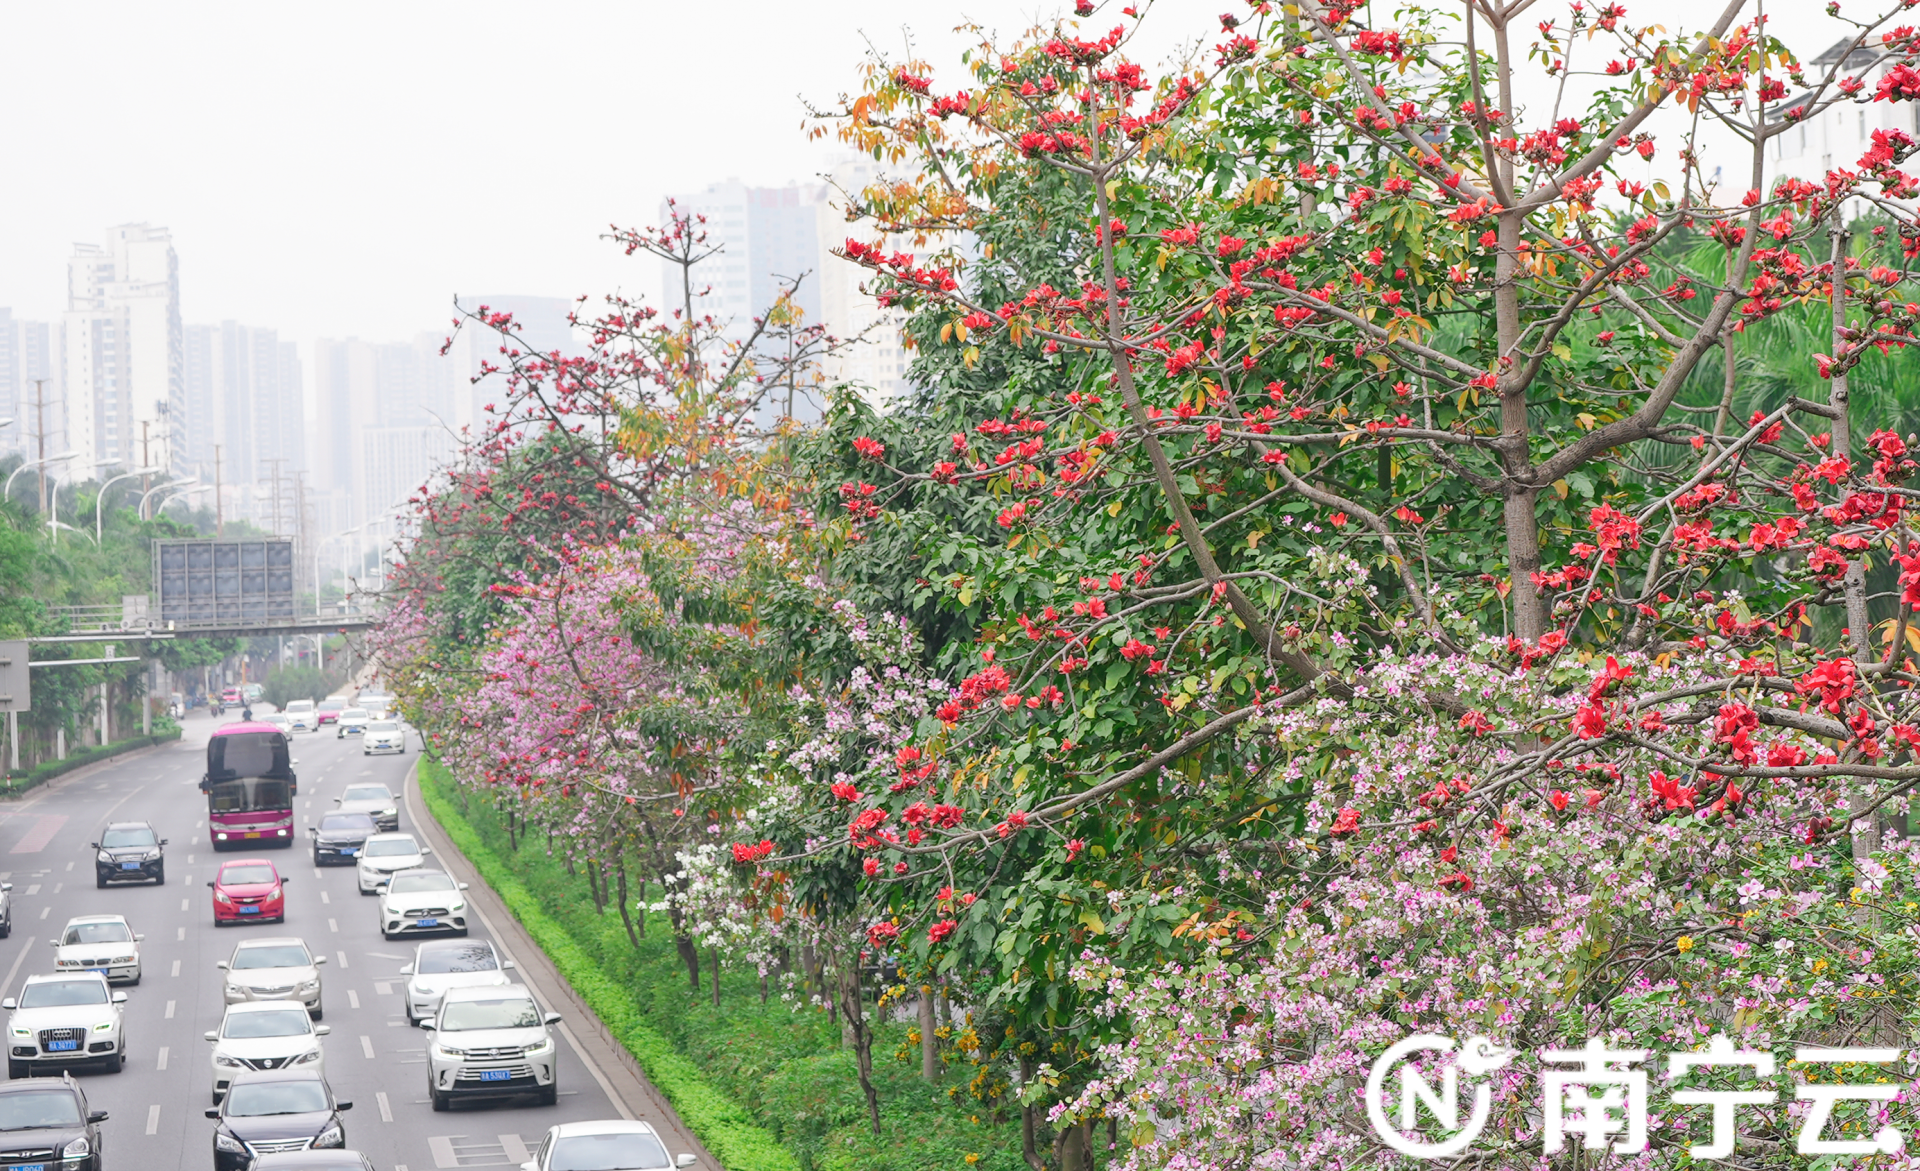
(374, 1058)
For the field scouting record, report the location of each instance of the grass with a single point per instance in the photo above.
(17, 783)
(765, 1087)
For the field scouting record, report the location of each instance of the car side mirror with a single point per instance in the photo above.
(336, 800)
(318, 960)
(211, 1034)
(313, 831)
(322, 1030)
(163, 841)
(506, 965)
(222, 965)
(343, 1105)
(93, 845)
(6, 886)
(463, 886)
(381, 885)
(119, 998)
(284, 880)
(552, 1018)
(96, 1116)
(424, 850)
(53, 943)
(684, 1159)
(529, 1167)
(213, 1112)
(138, 937)
(9, 1004)
(209, 886)
(429, 1025)
(406, 969)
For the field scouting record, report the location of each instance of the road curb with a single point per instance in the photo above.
(606, 1059)
(10, 802)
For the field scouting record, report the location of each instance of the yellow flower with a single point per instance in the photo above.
(1684, 943)
(971, 1158)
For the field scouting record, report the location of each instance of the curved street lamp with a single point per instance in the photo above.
(98, 500)
(148, 494)
(169, 499)
(7, 494)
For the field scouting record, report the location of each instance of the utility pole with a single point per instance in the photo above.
(276, 461)
(40, 408)
(219, 496)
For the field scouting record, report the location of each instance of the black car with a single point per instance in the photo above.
(339, 837)
(267, 1112)
(129, 850)
(313, 1161)
(45, 1120)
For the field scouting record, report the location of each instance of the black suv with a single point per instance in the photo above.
(339, 837)
(129, 850)
(46, 1120)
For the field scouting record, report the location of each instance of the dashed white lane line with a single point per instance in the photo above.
(180, 935)
(386, 1109)
(383, 987)
(343, 959)
(189, 859)
(153, 1119)
(176, 967)
(44, 910)
(366, 1046)
(325, 898)
(169, 1010)
(34, 889)
(333, 926)
(162, 1064)
(69, 868)
(516, 1150)
(186, 905)
(353, 999)
(57, 886)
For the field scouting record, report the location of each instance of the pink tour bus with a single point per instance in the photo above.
(250, 787)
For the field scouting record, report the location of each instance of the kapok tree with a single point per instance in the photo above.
(1376, 421)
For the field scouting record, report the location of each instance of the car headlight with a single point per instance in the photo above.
(333, 1136)
(543, 1048)
(274, 893)
(222, 1141)
(389, 811)
(309, 1056)
(310, 985)
(152, 855)
(104, 857)
(223, 1060)
(449, 1051)
(457, 907)
(220, 896)
(77, 1149)
(103, 1026)
(122, 960)
(18, 1032)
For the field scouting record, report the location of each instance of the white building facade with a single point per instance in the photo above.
(124, 377)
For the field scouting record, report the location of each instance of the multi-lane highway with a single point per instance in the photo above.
(374, 1058)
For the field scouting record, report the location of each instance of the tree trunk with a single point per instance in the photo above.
(1070, 1148)
(713, 954)
(626, 915)
(929, 1051)
(862, 1037)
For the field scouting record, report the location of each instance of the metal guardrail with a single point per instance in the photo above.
(106, 623)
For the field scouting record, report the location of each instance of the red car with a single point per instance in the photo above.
(330, 710)
(248, 889)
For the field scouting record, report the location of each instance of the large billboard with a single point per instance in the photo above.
(207, 582)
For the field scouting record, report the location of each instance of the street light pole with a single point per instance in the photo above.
(7, 493)
(101, 498)
(148, 494)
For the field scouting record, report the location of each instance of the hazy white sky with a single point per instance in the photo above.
(345, 169)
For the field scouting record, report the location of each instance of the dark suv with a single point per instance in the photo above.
(45, 1120)
(129, 850)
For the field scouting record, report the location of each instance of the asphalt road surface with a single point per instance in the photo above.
(157, 1105)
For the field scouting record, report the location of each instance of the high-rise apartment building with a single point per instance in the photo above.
(125, 377)
(243, 403)
(30, 391)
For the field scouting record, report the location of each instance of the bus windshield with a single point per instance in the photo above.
(250, 795)
(248, 754)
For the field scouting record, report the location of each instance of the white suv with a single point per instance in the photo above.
(99, 943)
(383, 854)
(490, 1041)
(60, 1020)
(442, 964)
(265, 1034)
(303, 715)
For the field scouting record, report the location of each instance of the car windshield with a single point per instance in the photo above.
(255, 1099)
(271, 955)
(391, 847)
(274, 1022)
(608, 1152)
(62, 993)
(507, 1012)
(354, 713)
(30, 1108)
(246, 875)
(468, 957)
(96, 933)
(346, 821)
(366, 793)
(299, 705)
(383, 726)
(138, 835)
(427, 880)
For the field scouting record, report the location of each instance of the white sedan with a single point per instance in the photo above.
(612, 1143)
(265, 1034)
(350, 722)
(416, 901)
(441, 964)
(384, 854)
(99, 943)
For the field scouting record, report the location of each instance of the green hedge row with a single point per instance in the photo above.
(721, 1124)
(15, 784)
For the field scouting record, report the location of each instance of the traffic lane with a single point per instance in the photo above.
(158, 1110)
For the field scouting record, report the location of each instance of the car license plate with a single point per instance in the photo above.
(349, 851)
(251, 834)
(62, 1046)
(427, 922)
(102, 971)
(129, 865)
(249, 910)
(496, 1075)
(28, 1167)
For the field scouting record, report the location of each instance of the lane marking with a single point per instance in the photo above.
(180, 935)
(333, 926)
(69, 868)
(353, 999)
(57, 886)
(442, 1147)
(163, 1058)
(184, 905)
(189, 859)
(153, 1119)
(34, 889)
(516, 1150)
(14, 970)
(381, 955)
(343, 959)
(44, 910)
(324, 897)
(176, 967)
(169, 1010)
(366, 1046)
(42, 832)
(383, 987)
(386, 1109)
